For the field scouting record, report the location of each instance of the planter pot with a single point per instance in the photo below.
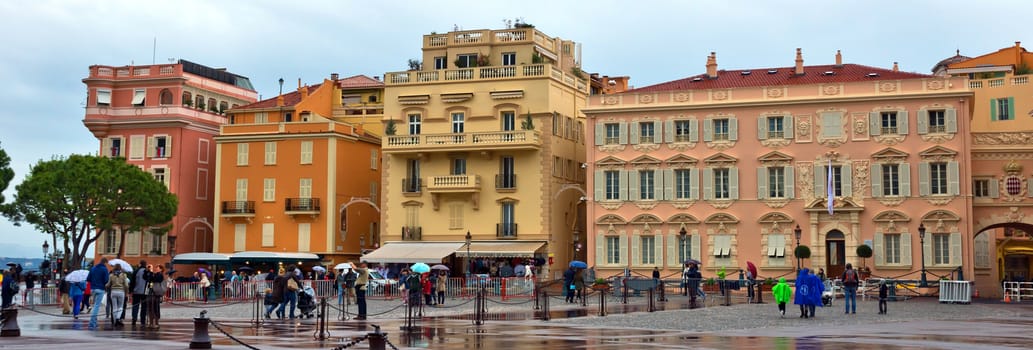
(601, 287)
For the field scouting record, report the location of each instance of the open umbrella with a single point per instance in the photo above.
(693, 261)
(205, 271)
(420, 268)
(578, 264)
(125, 265)
(439, 267)
(77, 276)
(319, 269)
(343, 266)
(753, 268)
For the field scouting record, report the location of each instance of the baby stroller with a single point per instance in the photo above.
(307, 302)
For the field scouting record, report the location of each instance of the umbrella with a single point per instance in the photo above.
(77, 276)
(119, 262)
(753, 268)
(439, 267)
(319, 269)
(343, 266)
(420, 268)
(245, 269)
(205, 271)
(578, 264)
(692, 261)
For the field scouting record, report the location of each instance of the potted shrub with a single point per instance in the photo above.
(390, 128)
(601, 284)
(767, 284)
(864, 252)
(709, 285)
(528, 123)
(802, 252)
(415, 64)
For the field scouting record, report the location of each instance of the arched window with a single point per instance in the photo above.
(212, 105)
(187, 98)
(165, 97)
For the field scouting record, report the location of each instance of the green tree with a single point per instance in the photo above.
(80, 198)
(6, 173)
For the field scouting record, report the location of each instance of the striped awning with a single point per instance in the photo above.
(412, 252)
(501, 249)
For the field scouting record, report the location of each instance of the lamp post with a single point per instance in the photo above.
(467, 265)
(681, 255)
(577, 243)
(921, 237)
(46, 248)
(797, 231)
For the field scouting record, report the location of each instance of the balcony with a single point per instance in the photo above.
(495, 140)
(412, 233)
(301, 206)
(238, 209)
(505, 181)
(454, 184)
(484, 37)
(411, 185)
(506, 230)
(486, 74)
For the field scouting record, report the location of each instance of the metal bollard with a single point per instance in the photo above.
(760, 290)
(376, 339)
(10, 328)
(602, 302)
(652, 302)
(201, 340)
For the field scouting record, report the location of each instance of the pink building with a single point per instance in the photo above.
(162, 118)
(724, 166)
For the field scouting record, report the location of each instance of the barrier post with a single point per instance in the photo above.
(376, 339)
(545, 306)
(10, 328)
(652, 302)
(200, 339)
(602, 302)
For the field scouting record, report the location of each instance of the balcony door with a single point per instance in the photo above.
(412, 180)
(508, 121)
(507, 176)
(835, 257)
(508, 225)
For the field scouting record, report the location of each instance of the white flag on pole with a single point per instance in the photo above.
(828, 188)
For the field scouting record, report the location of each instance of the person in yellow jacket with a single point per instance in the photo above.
(782, 293)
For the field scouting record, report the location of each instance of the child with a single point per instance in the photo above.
(782, 293)
(270, 302)
(884, 291)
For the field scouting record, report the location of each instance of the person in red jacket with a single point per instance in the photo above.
(427, 288)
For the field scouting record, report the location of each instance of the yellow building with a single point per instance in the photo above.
(290, 169)
(485, 138)
(1002, 160)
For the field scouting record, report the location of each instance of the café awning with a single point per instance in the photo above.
(412, 252)
(500, 249)
(258, 256)
(200, 258)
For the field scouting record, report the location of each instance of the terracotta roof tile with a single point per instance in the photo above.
(780, 76)
(358, 82)
(289, 99)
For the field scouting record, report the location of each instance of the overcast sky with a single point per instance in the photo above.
(47, 46)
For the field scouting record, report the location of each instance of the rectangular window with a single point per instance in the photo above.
(1003, 110)
(241, 190)
(837, 180)
(890, 180)
(261, 118)
(647, 185)
(306, 152)
(682, 184)
(242, 154)
(269, 190)
(889, 122)
(508, 121)
(111, 240)
(722, 183)
(455, 216)
(613, 250)
(647, 250)
(568, 127)
(684, 248)
(440, 62)
(776, 182)
(202, 151)
(374, 159)
(239, 237)
(112, 147)
(681, 131)
(287, 117)
(646, 132)
(941, 249)
(103, 97)
(466, 60)
(412, 216)
(556, 126)
(938, 178)
(892, 253)
(458, 122)
(937, 121)
(201, 192)
(159, 146)
(776, 246)
(305, 188)
(374, 189)
(270, 153)
(414, 124)
(613, 133)
(161, 174)
(981, 188)
(509, 58)
(139, 95)
(720, 129)
(776, 127)
(458, 166)
(267, 234)
(507, 225)
(613, 184)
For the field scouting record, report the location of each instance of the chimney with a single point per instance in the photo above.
(839, 59)
(799, 62)
(712, 65)
(1018, 54)
(895, 67)
(334, 76)
(304, 91)
(279, 101)
(376, 77)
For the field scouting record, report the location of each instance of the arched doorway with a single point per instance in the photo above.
(835, 259)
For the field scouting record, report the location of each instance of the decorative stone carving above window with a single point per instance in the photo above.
(611, 219)
(776, 222)
(720, 160)
(833, 127)
(938, 154)
(721, 224)
(941, 221)
(891, 221)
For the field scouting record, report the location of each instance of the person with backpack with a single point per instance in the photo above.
(138, 288)
(850, 278)
(884, 291)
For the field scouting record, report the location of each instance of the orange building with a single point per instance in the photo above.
(289, 173)
(162, 118)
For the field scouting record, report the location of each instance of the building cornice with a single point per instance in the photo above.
(757, 103)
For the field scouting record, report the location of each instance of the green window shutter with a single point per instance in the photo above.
(905, 249)
(694, 184)
(762, 128)
(622, 138)
(600, 134)
(669, 131)
(788, 127)
(693, 130)
(673, 243)
(708, 130)
(762, 182)
(668, 185)
(623, 249)
(879, 252)
(953, 179)
(848, 179)
(1011, 109)
(658, 249)
(950, 121)
(904, 170)
(994, 187)
(923, 179)
(790, 182)
(633, 130)
(634, 184)
(658, 184)
(927, 247)
(600, 185)
(733, 183)
(636, 249)
(708, 183)
(820, 180)
(623, 185)
(955, 258)
(733, 129)
(876, 176)
(993, 109)
(874, 124)
(600, 249)
(695, 249)
(658, 132)
(923, 121)
(902, 122)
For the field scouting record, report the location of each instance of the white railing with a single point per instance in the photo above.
(455, 181)
(1019, 80)
(470, 139)
(511, 35)
(141, 71)
(466, 38)
(498, 72)
(439, 40)
(995, 82)
(959, 292)
(1015, 291)
(975, 84)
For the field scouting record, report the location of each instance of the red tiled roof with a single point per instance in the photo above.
(781, 76)
(359, 81)
(289, 99)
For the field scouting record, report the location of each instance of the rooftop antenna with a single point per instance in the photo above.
(154, 51)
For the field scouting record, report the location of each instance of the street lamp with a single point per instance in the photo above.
(921, 236)
(577, 243)
(797, 231)
(467, 265)
(681, 254)
(46, 248)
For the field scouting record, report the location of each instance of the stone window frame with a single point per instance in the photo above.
(776, 223)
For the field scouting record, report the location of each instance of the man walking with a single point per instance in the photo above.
(850, 289)
(98, 278)
(138, 286)
(360, 289)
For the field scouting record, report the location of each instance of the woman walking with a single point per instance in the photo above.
(442, 284)
(117, 284)
(157, 287)
(76, 291)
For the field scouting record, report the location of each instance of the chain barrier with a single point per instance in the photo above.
(353, 342)
(23, 307)
(376, 314)
(241, 342)
(515, 303)
(208, 306)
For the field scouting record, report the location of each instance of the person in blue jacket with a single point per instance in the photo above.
(98, 278)
(76, 291)
(808, 293)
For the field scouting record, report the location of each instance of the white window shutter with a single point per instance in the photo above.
(790, 182)
(950, 122)
(847, 171)
(623, 185)
(787, 127)
(905, 249)
(600, 134)
(622, 137)
(994, 188)
(634, 184)
(673, 243)
(633, 131)
(879, 250)
(874, 124)
(168, 146)
(820, 180)
(902, 122)
(105, 147)
(928, 248)
(876, 179)
(693, 130)
(1029, 187)
(304, 237)
(239, 237)
(658, 131)
(668, 185)
(636, 249)
(600, 185)
(623, 249)
(600, 249)
(733, 183)
(694, 184)
(669, 130)
(923, 179)
(762, 128)
(658, 248)
(955, 258)
(708, 130)
(152, 144)
(904, 169)
(923, 121)
(708, 183)
(953, 178)
(659, 184)
(733, 129)
(695, 247)
(267, 234)
(762, 182)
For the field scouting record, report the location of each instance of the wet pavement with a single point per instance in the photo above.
(627, 327)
